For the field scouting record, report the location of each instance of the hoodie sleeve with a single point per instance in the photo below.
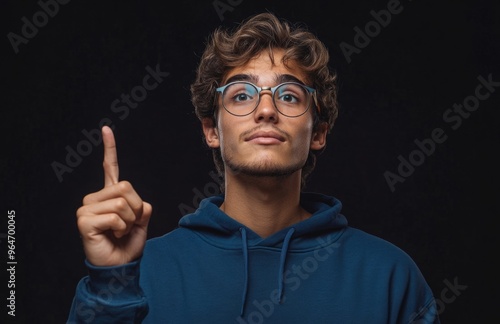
(109, 295)
(418, 305)
(426, 315)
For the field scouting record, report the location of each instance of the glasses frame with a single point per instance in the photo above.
(311, 91)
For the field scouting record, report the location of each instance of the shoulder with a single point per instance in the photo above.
(382, 261)
(373, 248)
(168, 242)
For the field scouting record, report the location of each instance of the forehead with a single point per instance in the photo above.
(264, 72)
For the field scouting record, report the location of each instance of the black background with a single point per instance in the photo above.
(392, 93)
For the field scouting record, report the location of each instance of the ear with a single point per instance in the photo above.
(318, 139)
(211, 132)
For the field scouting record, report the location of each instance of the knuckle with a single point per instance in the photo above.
(82, 223)
(115, 219)
(87, 199)
(106, 165)
(124, 186)
(81, 211)
(121, 203)
(118, 222)
(109, 164)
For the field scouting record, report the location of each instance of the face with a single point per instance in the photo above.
(265, 142)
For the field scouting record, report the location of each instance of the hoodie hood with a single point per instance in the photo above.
(219, 229)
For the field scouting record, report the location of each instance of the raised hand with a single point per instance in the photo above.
(113, 221)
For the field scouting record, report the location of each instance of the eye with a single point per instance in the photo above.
(241, 93)
(288, 97)
(291, 94)
(242, 97)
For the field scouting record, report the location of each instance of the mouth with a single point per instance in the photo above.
(265, 137)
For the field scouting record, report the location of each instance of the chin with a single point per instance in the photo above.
(263, 168)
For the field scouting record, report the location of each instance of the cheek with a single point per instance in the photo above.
(304, 143)
(227, 133)
(304, 134)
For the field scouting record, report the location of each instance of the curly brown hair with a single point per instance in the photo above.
(227, 49)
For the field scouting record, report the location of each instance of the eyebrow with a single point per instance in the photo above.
(278, 78)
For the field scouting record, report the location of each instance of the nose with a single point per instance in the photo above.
(265, 111)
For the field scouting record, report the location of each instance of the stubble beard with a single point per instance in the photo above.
(261, 169)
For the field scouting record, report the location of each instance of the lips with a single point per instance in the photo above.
(265, 137)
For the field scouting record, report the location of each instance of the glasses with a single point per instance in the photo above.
(291, 99)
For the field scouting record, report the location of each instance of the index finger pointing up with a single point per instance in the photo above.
(110, 163)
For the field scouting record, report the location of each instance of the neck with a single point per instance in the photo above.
(264, 204)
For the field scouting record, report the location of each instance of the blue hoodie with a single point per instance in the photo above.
(213, 269)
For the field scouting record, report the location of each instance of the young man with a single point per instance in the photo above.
(264, 250)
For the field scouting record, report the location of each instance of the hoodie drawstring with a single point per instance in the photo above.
(245, 263)
(281, 275)
(284, 251)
